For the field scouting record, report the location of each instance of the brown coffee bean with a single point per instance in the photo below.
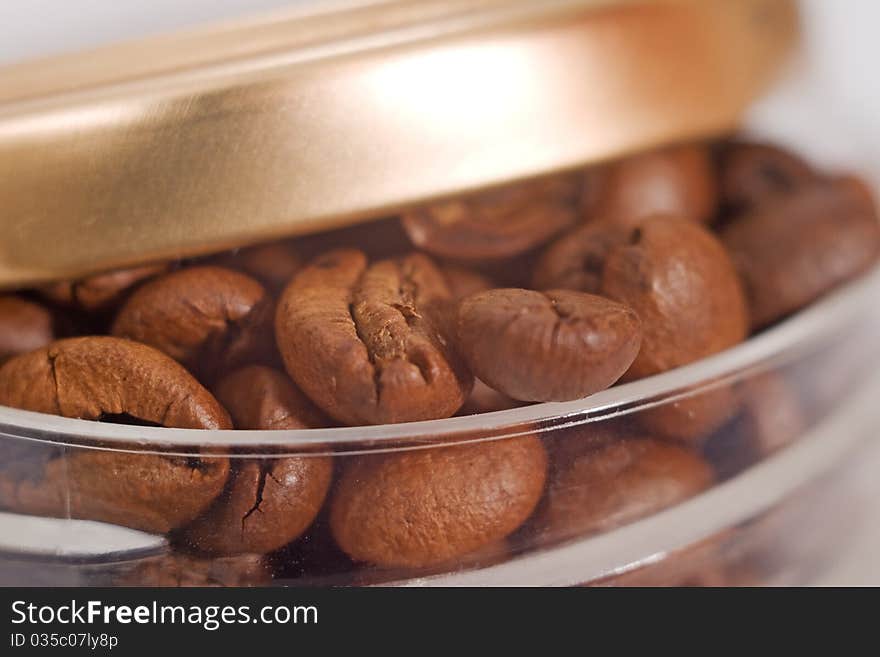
(796, 248)
(24, 326)
(497, 223)
(142, 491)
(612, 483)
(547, 346)
(772, 416)
(273, 264)
(484, 399)
(694, 416)
(267, 502)
(681, 282)
(575, 261)
(259, 397)
(679, 181)
(101, 291)
(208, 318)
(753, 173)
(361, 341)
(95, 377)
(183, 570)
(430, 506)
(463, 281)
(100, 377)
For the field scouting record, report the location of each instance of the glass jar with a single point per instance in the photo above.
(192, 151)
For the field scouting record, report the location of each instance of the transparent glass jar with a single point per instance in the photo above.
(577, 504)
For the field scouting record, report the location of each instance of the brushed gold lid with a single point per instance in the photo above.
(192, 143)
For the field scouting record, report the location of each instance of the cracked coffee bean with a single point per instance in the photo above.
(426, 507)
(575, 261)
(361, 342)
(678, 180)
(752, 174)
(210, 319)
(796, 248)
(547, 346)
(268, 502)
(603, 484)
(498, 223)
(24, 326)
(101, 291)
(97, 377)
(680, 281)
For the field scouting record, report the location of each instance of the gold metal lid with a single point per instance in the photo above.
(192, 143)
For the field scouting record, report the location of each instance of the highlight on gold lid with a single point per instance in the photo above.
(191, 143)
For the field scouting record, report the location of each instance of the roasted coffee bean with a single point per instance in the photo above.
(796, 248)
(575, 261)
(208, 318)
(771, 417)
(484, 399)
(101, 291)
(678, 180)
(498, 223)
(753, 173)
(547, 346)
(183, 570)
(98, 377)
(612, 483)
(567, 444)
(426, 507)
(695, 414)
(268, 502)
(681, 282)
(93, 377)
(259, 397)
(24, 326)
(360, 340)
(463, 281)
(273, 265)
(142, 491)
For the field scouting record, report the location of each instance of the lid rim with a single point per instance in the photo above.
(170, 169)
